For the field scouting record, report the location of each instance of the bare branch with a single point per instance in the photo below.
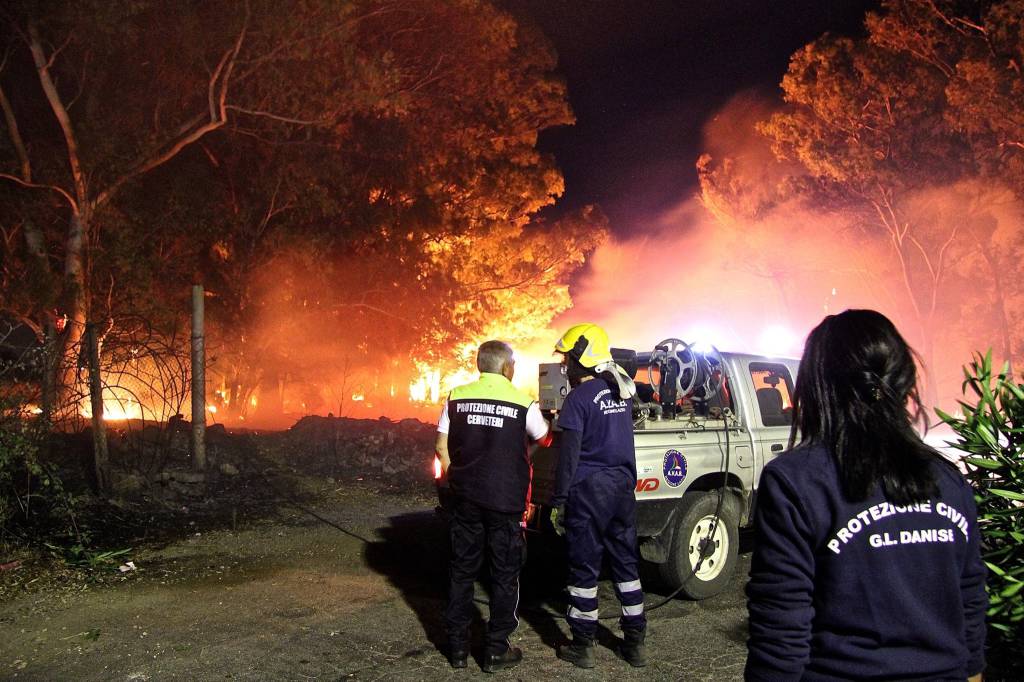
(193, 129)
(81, 80)
(33, 185)
(15, 133)
(225, 82)
(956, 23)
(53, 56)
(272, 211)
(211, 94)
(60, 112)
(925, 256)
(158, 160)
(275, 117)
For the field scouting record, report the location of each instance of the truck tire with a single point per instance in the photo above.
(692, 523)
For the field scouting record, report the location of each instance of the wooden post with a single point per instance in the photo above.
(198, 381)
(99, 427)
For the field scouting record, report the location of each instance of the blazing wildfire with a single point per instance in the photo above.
(322, 208)
(355, 184)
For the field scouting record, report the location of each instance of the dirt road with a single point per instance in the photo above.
(304, 598)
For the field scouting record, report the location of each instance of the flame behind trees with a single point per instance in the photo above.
(354, 182)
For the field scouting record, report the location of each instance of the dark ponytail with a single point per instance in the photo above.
(856, 394)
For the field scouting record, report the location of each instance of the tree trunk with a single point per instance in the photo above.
(71, 348)
(48, 388)
(99, 427)
(930, 397)
(198, 381)
(1000, 301)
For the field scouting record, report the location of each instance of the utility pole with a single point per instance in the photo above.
(198, 381)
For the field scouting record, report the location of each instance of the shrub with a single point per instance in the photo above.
(991, 431)
(19, 464)
(34, 505)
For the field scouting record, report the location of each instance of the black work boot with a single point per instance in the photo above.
(579, 652)
(458, 650)
(632, 648)
(458, 656)
(495, 662)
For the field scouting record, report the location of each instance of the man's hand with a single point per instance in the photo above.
(441, 448)
(557, 519)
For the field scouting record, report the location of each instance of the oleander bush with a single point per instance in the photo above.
(991, 431)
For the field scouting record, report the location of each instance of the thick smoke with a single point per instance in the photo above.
(751, 265)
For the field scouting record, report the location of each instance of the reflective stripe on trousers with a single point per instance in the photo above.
(599, 522)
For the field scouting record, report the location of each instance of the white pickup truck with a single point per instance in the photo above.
(704, 422)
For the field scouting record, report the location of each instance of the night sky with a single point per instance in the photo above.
(645, 75)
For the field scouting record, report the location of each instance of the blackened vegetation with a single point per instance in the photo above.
(157, 498)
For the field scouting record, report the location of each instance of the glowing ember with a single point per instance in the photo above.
(212, 409)
(358, 397)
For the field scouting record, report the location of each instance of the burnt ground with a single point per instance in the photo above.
(312, 563)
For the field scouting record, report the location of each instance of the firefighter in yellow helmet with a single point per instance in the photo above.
(594, 499)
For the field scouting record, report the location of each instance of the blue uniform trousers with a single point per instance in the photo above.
(600, 518)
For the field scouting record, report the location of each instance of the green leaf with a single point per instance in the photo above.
(1016, 390)
(983, 462)
(1008, 494)
(984, 431)
(995, 569)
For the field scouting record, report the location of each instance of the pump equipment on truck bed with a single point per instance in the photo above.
(705, 424)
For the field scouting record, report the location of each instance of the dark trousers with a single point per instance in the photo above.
(474, 530)
(600, 518)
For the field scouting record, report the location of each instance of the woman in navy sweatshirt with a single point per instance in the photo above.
(866, 562)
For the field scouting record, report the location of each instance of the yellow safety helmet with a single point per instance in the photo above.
(587, 343)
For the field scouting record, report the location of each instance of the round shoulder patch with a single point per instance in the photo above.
(674, 468)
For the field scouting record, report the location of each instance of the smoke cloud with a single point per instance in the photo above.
(752, 266)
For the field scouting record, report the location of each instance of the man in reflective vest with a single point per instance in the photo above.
(482, 444)
(594, 493)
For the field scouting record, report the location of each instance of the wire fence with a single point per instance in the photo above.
(145, 380)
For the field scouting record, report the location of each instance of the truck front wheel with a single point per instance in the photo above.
(695, 534)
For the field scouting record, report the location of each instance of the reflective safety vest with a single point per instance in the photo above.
(487, 443)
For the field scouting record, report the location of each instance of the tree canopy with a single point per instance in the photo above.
(360, 178)
(928, 99)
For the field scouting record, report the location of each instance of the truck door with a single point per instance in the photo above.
(771, 405)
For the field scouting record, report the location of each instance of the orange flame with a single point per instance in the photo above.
(434, 384)
(115, 407)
